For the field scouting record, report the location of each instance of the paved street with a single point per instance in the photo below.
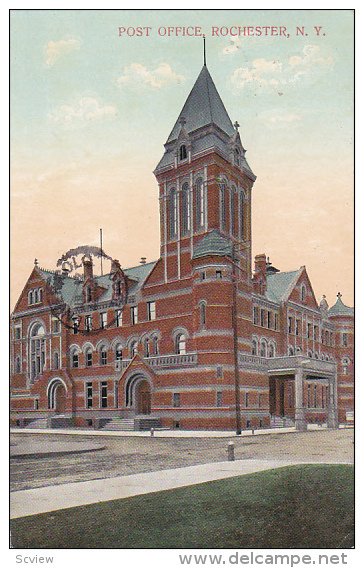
(132, 455)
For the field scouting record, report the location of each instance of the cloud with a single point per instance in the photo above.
(282, 117)
(56, 49)
(234, 46)
(86, 109)
(273, 73)
(261, 71)
(137, 74)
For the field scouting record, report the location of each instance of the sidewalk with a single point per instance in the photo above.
(162, 433)
(64, 496)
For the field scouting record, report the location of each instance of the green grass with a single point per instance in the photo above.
(308, 506)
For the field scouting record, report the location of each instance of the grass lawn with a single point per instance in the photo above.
(309, 506)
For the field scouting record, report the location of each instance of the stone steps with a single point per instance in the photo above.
(122, 424)
(138, 423)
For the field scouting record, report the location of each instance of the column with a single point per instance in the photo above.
(332, 417)
(300, 419)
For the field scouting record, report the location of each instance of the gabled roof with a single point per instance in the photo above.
(213, 244)
(340, 309)
(280, 284)
(69, 289)
(203, 107)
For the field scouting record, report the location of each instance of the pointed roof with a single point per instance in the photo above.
(280, 284)
(213, 244)
(203, 107)
(340, 309)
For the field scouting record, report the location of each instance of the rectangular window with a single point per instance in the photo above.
(103, 320)
(88, 395)
(88, 323)
(246, 399)
(151, 311)
(104, 394)
(297, 326)
(290, 324)
(219, 274)
(309, 396)
(323, 392)
(269, 319)
(176, 399)
(56, 325)
(315, 332)
(255, 315)
(134, 314)
(118, 318)
(76, 325)
(103, 357)
(315, 396)
(17, 332)
(75, 360)
(203, 275)
(276, 322)
(260, 400)
(345, 339)
(219, 372)
(309, 330)
(36, 404)
(262, 317)
(219, 399)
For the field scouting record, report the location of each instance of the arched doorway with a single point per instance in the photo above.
(142, 397)
(60, 399)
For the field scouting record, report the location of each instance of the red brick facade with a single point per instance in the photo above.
(179, 338)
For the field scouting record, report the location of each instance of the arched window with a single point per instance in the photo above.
(37, 350)
(254, 346)
(146, 348)
(186, 206)
(40, 296)
(89, 357)
(241, 214)
(303, 293)
(133, 348)
(103, 355)
(200, 203)
(263, 348)
(181, 344)
(118, 352)
(298, 349)
(155, 345)
(88, 294)
(74, 359)
(290, 351)
(17, 364)
(30, 297)
(223, 206)
(232, 210)
(203, 313)
(183, 152)
(172, 213)
(55, 360)
(271, 350)
(35, 296)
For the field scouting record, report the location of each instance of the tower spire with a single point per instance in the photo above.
(204, 50)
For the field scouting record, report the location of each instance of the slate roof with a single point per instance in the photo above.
(203, 107)
(340, 309)
(279, 283)
(213, 244)
(69, 289)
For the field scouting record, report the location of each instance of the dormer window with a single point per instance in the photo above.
(182, 153)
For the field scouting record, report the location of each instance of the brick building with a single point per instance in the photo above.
(193, 340)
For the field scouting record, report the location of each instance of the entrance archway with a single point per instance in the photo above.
(57, 395)
(142, 397)
(60, 399)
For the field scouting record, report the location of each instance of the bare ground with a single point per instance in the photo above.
(128, 455)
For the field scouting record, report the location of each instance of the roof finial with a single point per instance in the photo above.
(35, 262)
(339, 295)
(204, 50)
(236, 125)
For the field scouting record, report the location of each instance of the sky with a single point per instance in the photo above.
(91, 110)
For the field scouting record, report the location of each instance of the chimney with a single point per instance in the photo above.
(143, 260)
(260, 274)
(115, 265)
(87, 269)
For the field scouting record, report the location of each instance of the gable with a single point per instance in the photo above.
(302, 285)
(35, 294)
